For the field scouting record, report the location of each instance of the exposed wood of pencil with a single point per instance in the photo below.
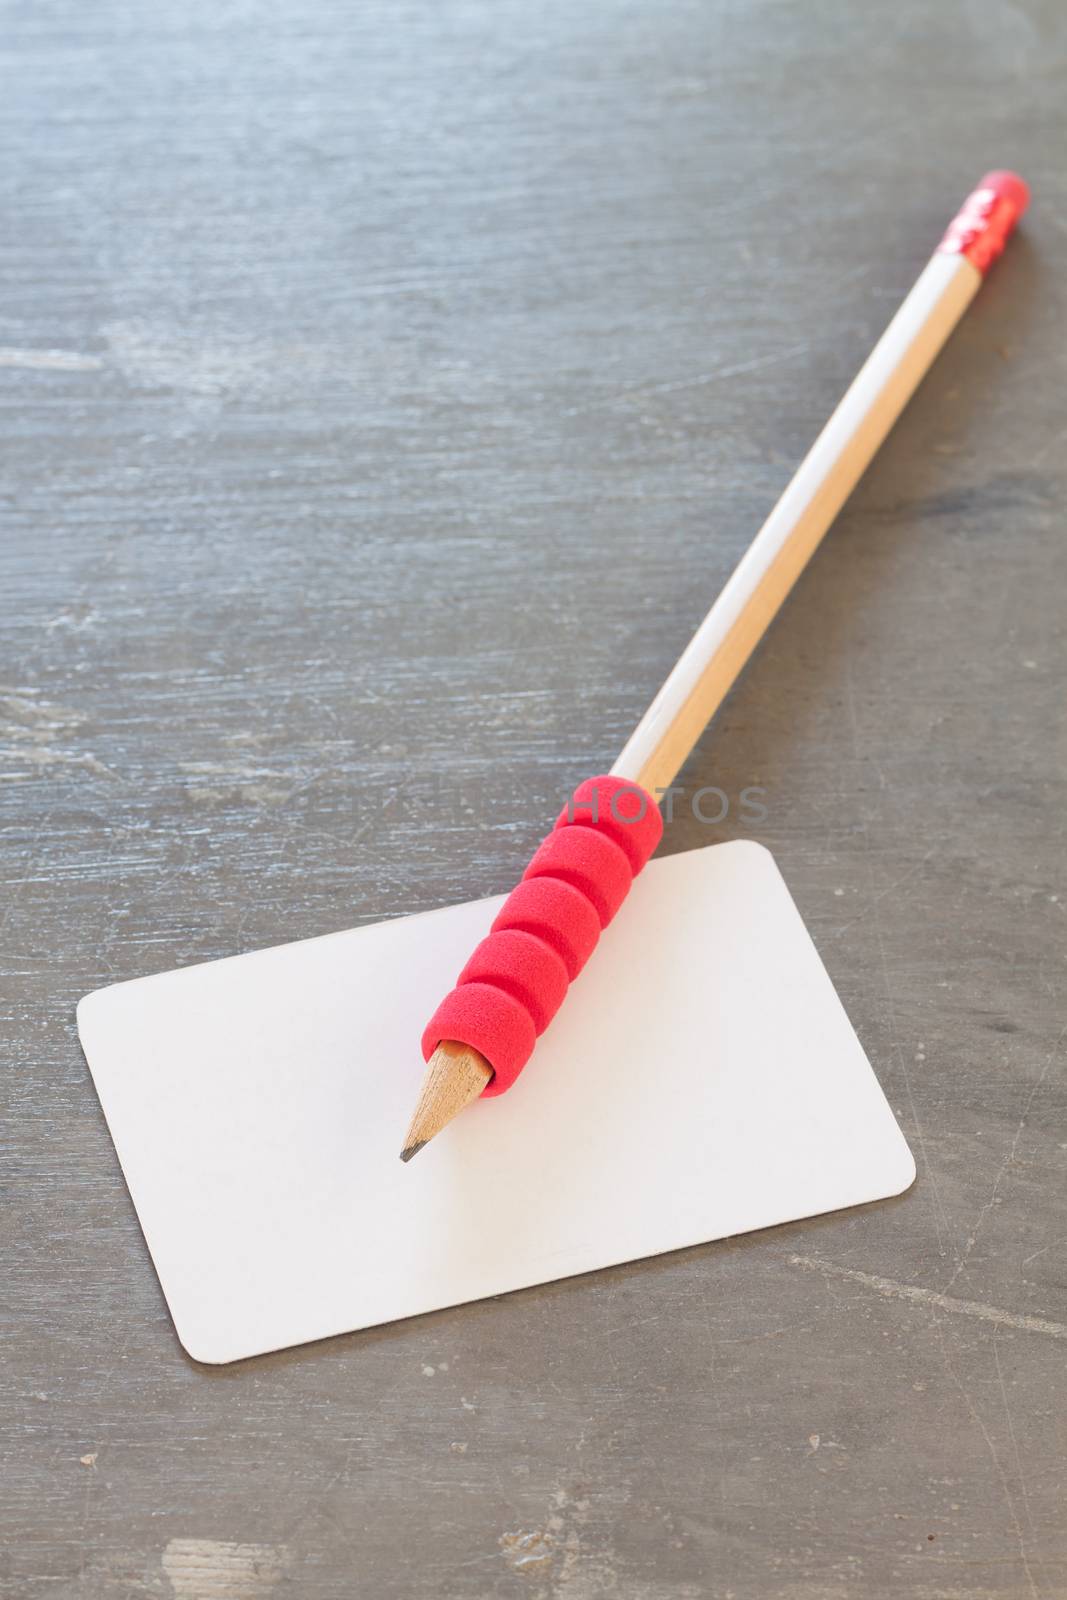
(455, 1075)
(773, 562)
(752, 596)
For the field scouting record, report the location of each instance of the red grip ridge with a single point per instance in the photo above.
(526, 967)
(589, 862)
(556, 912)
(548, 927)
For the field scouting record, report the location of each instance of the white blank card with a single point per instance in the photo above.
(701, 1080)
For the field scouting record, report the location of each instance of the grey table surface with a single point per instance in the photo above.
(387, 391)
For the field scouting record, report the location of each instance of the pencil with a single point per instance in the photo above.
(483, 1033)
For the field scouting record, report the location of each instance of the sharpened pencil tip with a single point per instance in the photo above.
(455, 1075)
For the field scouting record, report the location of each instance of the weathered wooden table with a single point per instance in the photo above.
(387, 391)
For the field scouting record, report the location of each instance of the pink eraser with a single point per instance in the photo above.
(987, 217)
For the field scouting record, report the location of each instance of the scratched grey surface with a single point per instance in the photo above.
(387, 390)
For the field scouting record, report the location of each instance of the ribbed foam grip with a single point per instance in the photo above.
(556, 913)
(547, 928)
(625, 814)
(524, 966)
(589, 862)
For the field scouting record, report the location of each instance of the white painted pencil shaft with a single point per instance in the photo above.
(773, 562)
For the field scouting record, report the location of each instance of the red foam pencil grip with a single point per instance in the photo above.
(547, 928)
